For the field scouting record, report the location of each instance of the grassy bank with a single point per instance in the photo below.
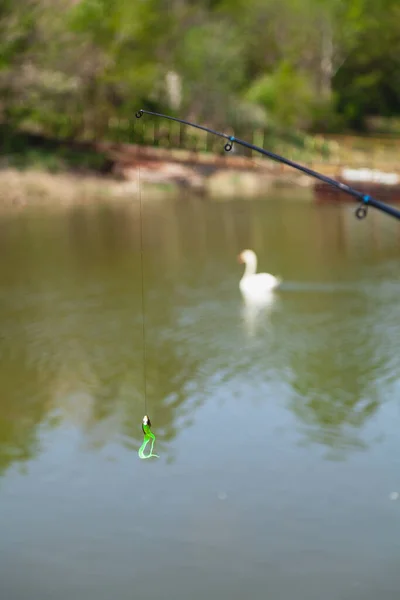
(24, 150)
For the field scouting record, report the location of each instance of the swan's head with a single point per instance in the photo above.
(248, 257)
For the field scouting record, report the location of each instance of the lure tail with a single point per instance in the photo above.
(142, 448)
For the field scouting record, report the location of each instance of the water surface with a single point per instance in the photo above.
(277, 427)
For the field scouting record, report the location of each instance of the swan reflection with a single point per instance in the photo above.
(256, 311)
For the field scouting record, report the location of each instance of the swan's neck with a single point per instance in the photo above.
(251, 267)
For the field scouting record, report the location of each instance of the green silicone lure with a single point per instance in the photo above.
(148, 437)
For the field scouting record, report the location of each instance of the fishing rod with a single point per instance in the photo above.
(365, 199)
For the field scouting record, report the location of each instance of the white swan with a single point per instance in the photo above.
(255, 285)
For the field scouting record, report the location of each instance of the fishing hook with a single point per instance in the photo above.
(360, 212)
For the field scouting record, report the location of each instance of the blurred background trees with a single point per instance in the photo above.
(81, 68)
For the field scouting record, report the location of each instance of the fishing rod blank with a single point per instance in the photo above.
(365, 199)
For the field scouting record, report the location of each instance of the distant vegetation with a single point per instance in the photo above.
(79, 69)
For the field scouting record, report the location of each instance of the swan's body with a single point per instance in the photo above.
(255, 285)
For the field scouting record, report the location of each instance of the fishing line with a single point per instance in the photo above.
(365, 199)
(146, 423)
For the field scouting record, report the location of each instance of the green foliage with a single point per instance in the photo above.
(212, 73)
(286, 94)
(80, 69)
(26, 150)
(368, 83)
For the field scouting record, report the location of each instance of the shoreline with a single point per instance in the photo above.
(39, 187)
(126, 171)
(35, 169)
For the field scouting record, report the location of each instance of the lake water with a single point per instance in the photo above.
(278, 428)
